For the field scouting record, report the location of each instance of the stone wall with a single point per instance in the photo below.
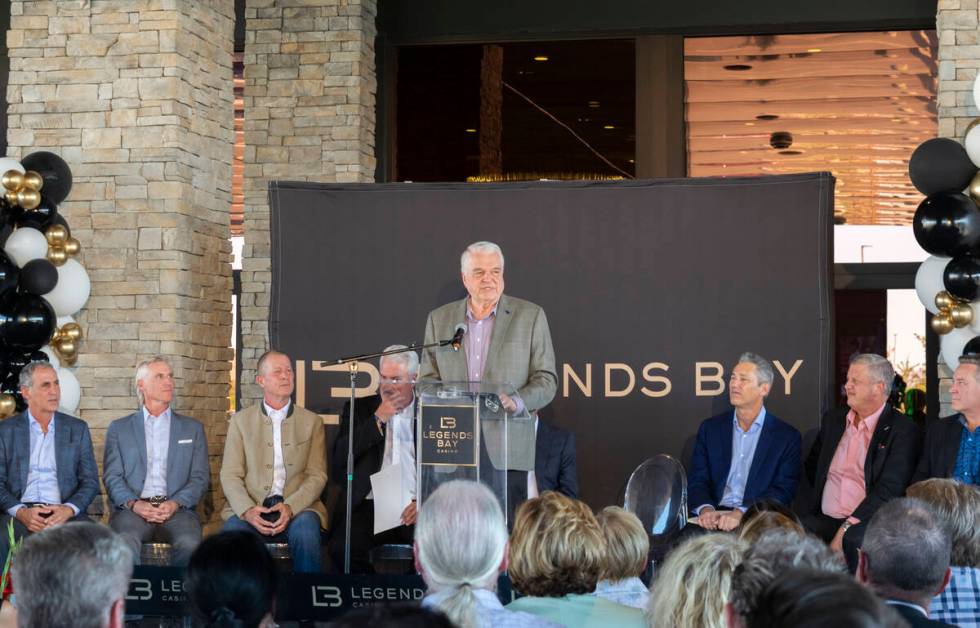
(309, 116)
(136, 95)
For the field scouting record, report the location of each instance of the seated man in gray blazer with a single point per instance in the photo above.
(155, 468)
(48, 473)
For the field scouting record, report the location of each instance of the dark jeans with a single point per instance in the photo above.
(302, 535)
(182, 531)
(826, 528)
(363, 539)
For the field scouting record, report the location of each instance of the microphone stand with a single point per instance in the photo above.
(352, 362)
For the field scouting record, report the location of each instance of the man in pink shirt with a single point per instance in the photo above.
(864, 455)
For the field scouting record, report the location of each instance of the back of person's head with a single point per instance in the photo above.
(461, 544)
(76, 574)
(556, 547)
(807, 598)
(761, 521)
(905, 552)
(772, 554)
(627, 544)
(692, 586)
(394, 616)
(231, 581)
(958, 505)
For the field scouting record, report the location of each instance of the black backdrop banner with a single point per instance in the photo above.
(652, 290)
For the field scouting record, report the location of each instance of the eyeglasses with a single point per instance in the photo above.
(398, 380)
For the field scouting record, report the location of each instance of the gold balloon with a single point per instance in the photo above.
(961, 314)
(944, 300)
(974, 188)
(8, 405)
(73, 331)
(10, 196)
(942, 324)
(72, 246)
(33, 181)
(65, 347)
(56, 234)
(28, 198)
(57, 255)
(13, 180)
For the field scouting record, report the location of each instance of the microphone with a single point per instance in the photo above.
(458, 336)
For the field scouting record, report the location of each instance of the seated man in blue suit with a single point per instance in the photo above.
(48, 473)
(743, 456)
(155, 468)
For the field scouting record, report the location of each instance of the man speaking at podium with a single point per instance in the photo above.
(505, 341)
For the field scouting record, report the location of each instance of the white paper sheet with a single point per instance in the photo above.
(390, 498)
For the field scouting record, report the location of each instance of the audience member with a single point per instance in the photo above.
(627, 552)
(952, 443)
(772, 554)
(692, 587)
(958, 505)
(763, 521)
(76, 574)
(460, 550)
(395, 616)
(556, 555)
(231, 582)
(905, 558)
(807, 598)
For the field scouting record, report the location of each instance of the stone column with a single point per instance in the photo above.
(310, 90)
(136, 95)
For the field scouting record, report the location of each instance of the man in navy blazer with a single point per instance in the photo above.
(48, 473)
(743, 456)
(554, 460)
(155, 468)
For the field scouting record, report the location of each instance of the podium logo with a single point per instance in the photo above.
(447, 423)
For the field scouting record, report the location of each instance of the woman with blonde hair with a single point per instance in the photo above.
(556, 553)
(460, 549)
(627, 552)
(694, 584)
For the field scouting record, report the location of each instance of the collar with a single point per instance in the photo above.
(267, 409)
(870, 422)
(924, 612)
(966, 425)
(163, 415)
(757, 424)
(492, 314)
(33, 424)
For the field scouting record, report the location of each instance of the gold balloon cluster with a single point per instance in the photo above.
(8, 406)
(60, 246)
(65, 342)
(953, 313)
(22, 188)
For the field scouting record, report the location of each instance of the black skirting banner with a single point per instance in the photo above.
(652, 290)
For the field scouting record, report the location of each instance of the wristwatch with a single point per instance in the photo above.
(844, 526)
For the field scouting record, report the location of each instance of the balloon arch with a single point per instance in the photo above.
(41, 284)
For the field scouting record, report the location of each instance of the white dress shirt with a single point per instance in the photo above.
(157, 432)
(278, 465)
(400, 447)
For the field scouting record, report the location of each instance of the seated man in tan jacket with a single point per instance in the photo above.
(275, 467)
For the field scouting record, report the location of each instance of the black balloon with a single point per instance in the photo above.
(38, 276)
(936, 165)
(27, 322)
(56, 174)
(41, 217)
(961, 277)
(972, 347)
(947, 224)
(9, 274)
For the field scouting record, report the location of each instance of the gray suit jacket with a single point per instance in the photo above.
(78, 475)
(124, 462)
(520, 354)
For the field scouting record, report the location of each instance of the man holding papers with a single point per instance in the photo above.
(383, 494)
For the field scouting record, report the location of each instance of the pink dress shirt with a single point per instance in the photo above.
(845, 490)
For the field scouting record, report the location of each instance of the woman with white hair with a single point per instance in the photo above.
(460, 550)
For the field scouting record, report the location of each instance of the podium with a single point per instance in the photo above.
(463, 432)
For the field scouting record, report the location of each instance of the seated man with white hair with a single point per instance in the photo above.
(460, 550)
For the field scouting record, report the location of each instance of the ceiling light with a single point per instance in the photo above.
(737, 67)
(541, 58)
(814, 50)
(593, 104)
(608, 127)
(471, 130)
(632, 161)
(750, 124)
(790, 152)
(767, 116)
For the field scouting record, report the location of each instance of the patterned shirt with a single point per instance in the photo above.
(967, 466)
(959, 603)
(628, 592)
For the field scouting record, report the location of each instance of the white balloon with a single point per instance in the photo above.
(49, 351)
(951, 345)
(972, 144)
(9, 163)
(976, 91)
(26, 244)
(71, 391)
(64, 320)
(72, 290)
(929, 281)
